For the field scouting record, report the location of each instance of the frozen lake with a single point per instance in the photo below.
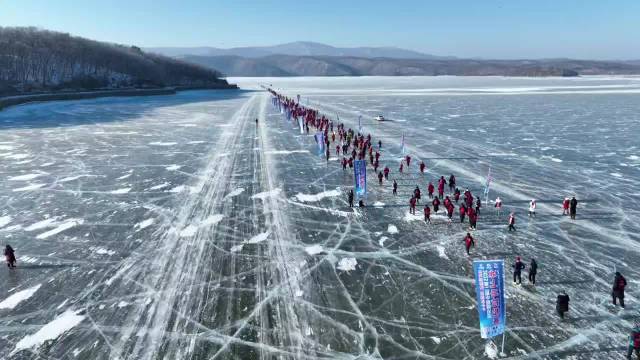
(174, 227)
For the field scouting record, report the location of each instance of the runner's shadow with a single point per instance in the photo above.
(44, 266)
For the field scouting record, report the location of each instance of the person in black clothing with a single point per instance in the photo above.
(478, 205)
(533, 270)
(517, 271)
(256, 121)
(562, 304)
(452, 183)
(619, 283)
(10, 256)
(361, 203)
(395, 188)
(573, 204)
(350, 196)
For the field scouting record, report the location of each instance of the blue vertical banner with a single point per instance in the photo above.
(320, 140)
(360, 177)
(489, 279)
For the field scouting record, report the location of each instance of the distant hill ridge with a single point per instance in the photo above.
(315, 59)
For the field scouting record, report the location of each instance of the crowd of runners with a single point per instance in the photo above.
(350, 146)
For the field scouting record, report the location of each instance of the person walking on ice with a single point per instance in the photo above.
(498, 206)
(634, 342)
(512, 222)
(10, 256)
(573, 205)
(533, 271)
(562, 304)
(427, 213)
(469, 242)
(532, 208)
(518, 266)
(565, 206)
(619, 283)
(350, 198)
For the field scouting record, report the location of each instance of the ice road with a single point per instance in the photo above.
(174, 227)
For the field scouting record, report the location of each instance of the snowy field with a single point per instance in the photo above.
(174, 227)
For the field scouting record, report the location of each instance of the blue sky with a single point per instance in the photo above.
(595, 29)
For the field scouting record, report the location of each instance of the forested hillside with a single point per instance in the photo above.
(34, 60)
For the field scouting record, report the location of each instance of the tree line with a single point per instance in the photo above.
(33, 59)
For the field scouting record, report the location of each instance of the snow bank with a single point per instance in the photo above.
(64, 322)
(317, 197)
(15, 299)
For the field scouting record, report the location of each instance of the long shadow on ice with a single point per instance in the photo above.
(101, 110)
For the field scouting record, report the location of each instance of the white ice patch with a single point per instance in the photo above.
(173, 167)
(408, 217)
(160, 186)
(159, 143)
(266, 194)
(6, 147)
(378, 204)
(237, 248)
(392, 229)
(29, 187)
(15, 299)
(615, 174)
(436, 339)
(62, 227)
(314, 249)
(212, 220)
(42, 224)
(5, 220)
(286, 152)
(317, 197)
(124, 176)
(491, 350)
(382, 240)
(178, 189)
(120, 191)
(25, 177)
(122, 304)
(259, 238)
(441, 252)
(64, 322)
(633, 157)
(189, 231)
(143, 224)
(347, 264)
(102, 251)
(233, 193)
(552, 158)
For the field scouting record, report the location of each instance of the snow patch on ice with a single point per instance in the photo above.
(378, 204)
(286, 152)
(120, 191)
(63, 323)
(189, 231)
(441, 252)
(615, 174)
(436, 339)
(212, 220)
(392, 229)
(633, 157)
(178, 189)
(347, 264)
(5, 220)
(408, 217)
(237, 248)
(15, 299)
(160, 143)
(145, 223)
(491, 350)
(102, 251)
(267, 194)
(233, 193)
(314, 249)
(29, 187)
(62, 227)
(173, 167)
(159, 186)
(317, 197)
(259, 238)
(42, 224)
(382, 240)
(124, 176)
(122, 304)
(24, 177)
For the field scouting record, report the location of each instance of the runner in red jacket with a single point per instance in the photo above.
(430, 189)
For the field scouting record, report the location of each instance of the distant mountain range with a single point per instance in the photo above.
(314, 59)
(300, 48)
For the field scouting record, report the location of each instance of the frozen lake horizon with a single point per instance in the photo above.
(175, 227)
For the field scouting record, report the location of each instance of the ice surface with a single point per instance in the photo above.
(408, 291)
(20, 296)
(51, 331)
(318, 196)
